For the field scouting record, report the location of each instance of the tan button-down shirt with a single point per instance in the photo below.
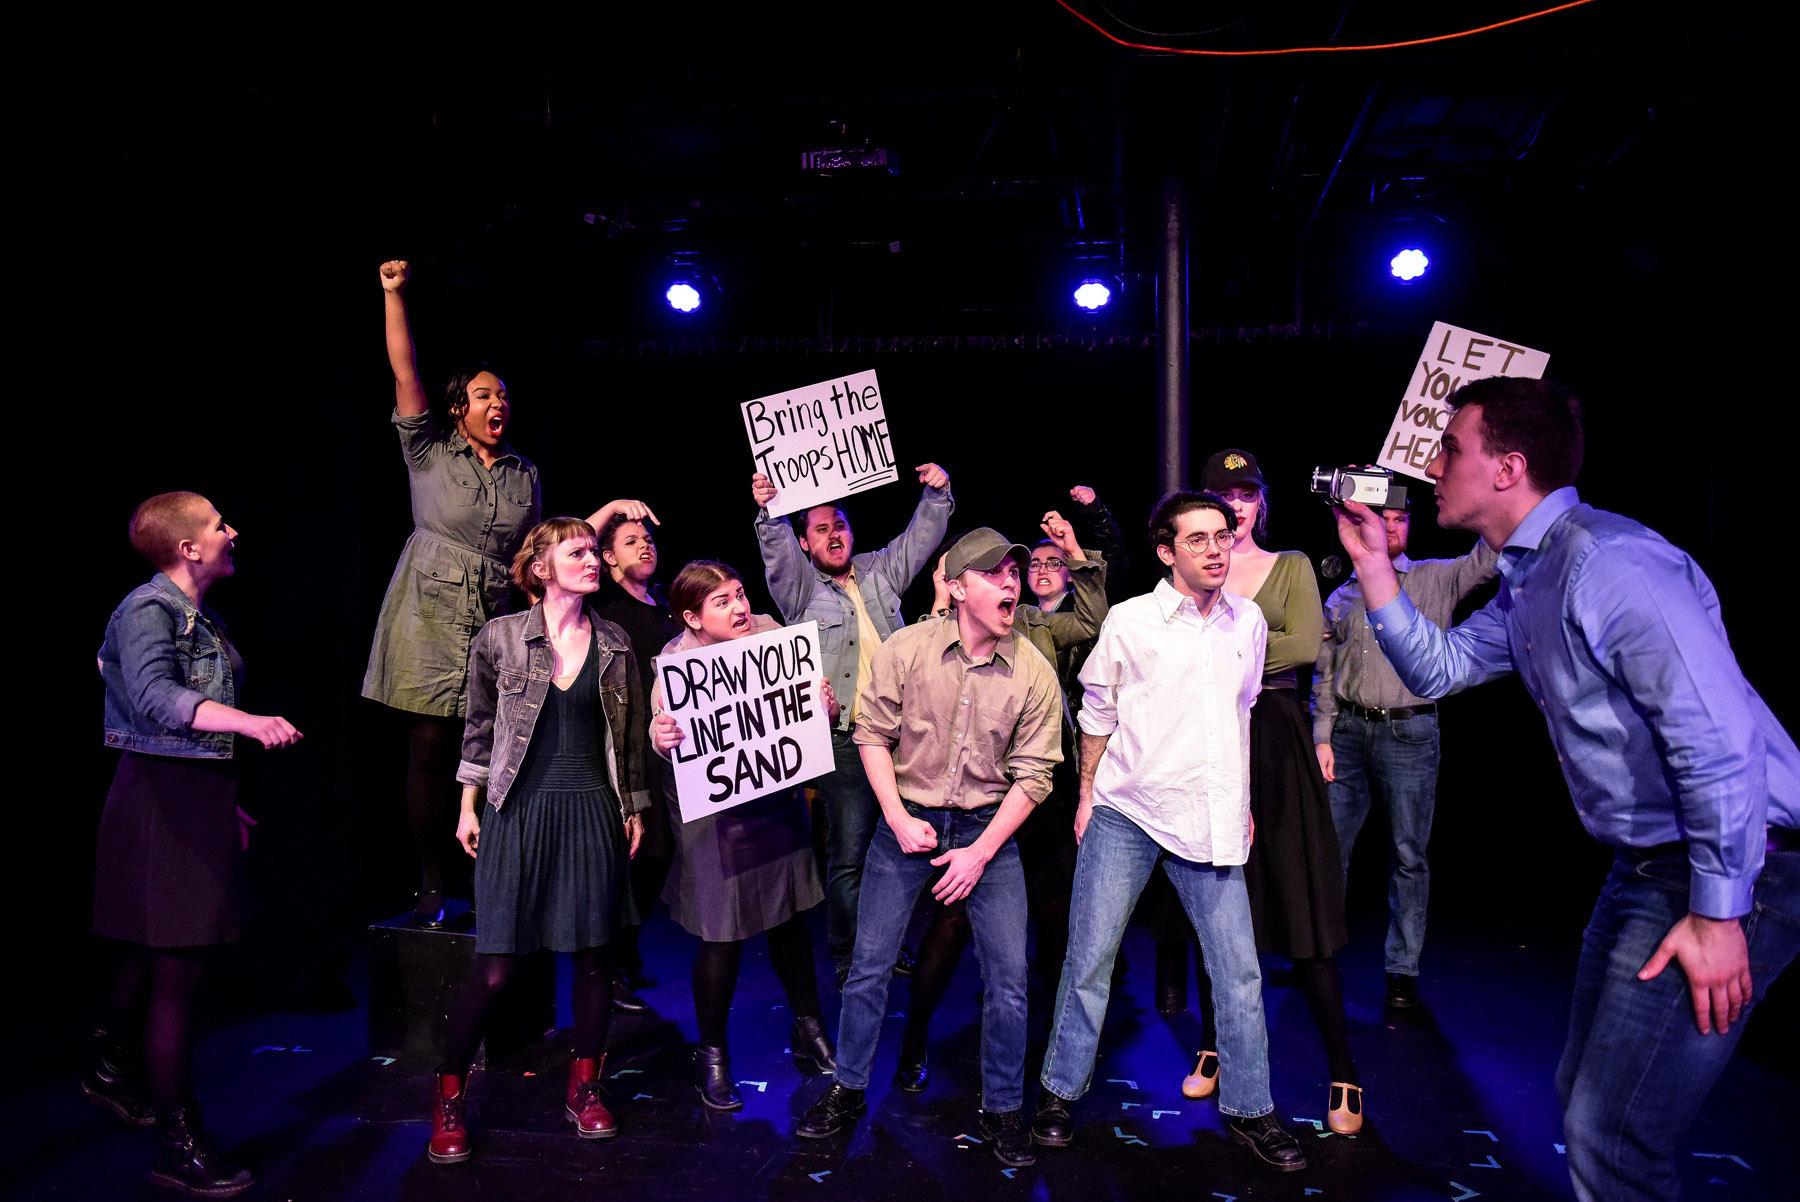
(962, 731)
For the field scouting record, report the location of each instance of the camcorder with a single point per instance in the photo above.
(1373, 486)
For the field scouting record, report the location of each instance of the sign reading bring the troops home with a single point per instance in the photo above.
(822, 442)
(1451, 358)
(752, 714)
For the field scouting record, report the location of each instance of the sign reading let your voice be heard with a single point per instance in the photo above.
(822, 442)
(1451, 358)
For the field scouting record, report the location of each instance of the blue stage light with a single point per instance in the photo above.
(1408, 265)
(1092, 295)
(683, 298)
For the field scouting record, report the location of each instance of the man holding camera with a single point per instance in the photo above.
(1670, 756)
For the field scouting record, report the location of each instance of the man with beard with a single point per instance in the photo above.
(856, 601)
(630, 597)
(959, 729)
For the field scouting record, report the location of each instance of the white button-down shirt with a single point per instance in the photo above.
(1174, 689)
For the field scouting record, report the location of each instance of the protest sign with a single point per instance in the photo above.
(822, 442)
(753, 715)
(1451, 358)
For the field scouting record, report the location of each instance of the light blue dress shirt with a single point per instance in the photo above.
(1618, 638)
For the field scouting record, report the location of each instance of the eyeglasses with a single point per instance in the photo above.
(1050, 565)
(1195, 544)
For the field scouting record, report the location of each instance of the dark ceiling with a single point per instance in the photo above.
(556, 171)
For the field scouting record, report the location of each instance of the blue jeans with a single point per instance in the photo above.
(1398, 762)
(1111, 870)
(851, 815)
(891, 883)
(1635, 1069)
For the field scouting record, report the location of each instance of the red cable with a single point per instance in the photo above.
(1441, 37)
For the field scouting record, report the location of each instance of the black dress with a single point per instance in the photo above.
(1294, 875)
(550, 867)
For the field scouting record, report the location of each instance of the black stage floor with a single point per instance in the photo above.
(1460, 1101)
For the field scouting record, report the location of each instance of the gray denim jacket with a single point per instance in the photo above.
(162, 656)
(805, 594)
(510, 665)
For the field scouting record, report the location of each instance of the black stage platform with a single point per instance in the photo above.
(1460, 1101)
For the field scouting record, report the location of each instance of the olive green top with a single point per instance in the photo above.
(1289, 599)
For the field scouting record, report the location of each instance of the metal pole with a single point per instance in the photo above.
(1172, 321)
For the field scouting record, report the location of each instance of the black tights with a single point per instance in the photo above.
(153, 993)
(716, 974)
(432, 748)
(939, 953)
(591, 1000)
(1319, 983)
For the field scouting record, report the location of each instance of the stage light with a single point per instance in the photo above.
(1092, 295)
(1408, 265)
(683, 297)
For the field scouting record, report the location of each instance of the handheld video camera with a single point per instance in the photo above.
(1373, 486)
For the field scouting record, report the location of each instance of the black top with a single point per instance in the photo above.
(565, 751)
(649, 627)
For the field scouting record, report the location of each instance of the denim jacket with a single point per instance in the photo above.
(804, 594)
(510, 666)
(161, 658)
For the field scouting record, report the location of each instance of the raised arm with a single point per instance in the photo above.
(911, 550)
(1080, 621)
(409, 393)
(786, 570)
(1094, 521)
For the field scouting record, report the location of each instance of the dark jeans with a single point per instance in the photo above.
(851, 816)
(1636, 1070)
(1398, 763)
(891, 883)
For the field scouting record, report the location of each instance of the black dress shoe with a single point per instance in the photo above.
(836, 1111)
(185, 1160)
(625, 1001)
(812, 1048)
(1006, 1132)
(905, 964)
(1052, 1125)
(1268, 1141)
(112, 1081)
(1402, 991)
(638, 978)
(912, 1073)
(428, 909)
(712, 1077)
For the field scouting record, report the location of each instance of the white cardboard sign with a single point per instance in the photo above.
(1451, 358)
(753, 715)
(822, 442)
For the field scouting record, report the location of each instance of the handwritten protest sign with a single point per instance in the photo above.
(1451, 358)
(822, 442)
(753, 716)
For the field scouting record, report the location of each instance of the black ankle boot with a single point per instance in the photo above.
(812, 1049)
(113, 1081)
(712, 1077)
(186, 1161)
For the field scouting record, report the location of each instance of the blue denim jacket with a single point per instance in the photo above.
(805, 594)
(510, 666)
(162, 657)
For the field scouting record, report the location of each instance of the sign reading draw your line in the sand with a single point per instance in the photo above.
(822, 442)
(1451, 358)
(752, 713)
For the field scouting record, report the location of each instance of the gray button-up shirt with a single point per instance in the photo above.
(1351, 664)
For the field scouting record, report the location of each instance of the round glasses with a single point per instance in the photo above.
(1196, 544)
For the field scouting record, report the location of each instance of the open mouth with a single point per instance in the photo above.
(1007, 606)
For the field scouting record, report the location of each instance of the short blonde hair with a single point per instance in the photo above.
(541, 542)
(159, 525)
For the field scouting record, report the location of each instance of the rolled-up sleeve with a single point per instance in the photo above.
(155, 683)
(1036, 747)
(478, 725)
(1100, 685)
(878, 700)
(420, 438)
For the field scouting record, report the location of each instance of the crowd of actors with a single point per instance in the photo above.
(1029, 767)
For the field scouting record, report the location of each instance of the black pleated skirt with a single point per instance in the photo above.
(1294, 873)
